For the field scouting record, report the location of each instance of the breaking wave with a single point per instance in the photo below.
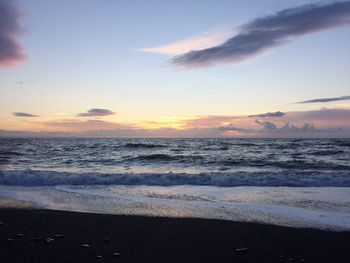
(283, 178)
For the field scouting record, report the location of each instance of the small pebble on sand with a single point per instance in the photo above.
(49, 240)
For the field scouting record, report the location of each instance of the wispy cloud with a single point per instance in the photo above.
(11, 52)
(269, 115)
(96, 112)
(24, 114)
(268, 32)
(86, 125)
(325, 100)
(205, 40)
(328, 117)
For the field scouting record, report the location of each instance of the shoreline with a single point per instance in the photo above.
(317, 207)
(59, 236)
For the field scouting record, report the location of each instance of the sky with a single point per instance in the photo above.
(244, 68)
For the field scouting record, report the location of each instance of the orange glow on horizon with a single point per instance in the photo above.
(164, 122)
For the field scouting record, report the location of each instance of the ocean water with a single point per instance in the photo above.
(296, 182)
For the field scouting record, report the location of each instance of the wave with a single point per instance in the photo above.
(245, 144)
(4, 153)
(283, 178)
(160, 157)
(296, 163)
(224, 148)
(4, 160)
(144, 145)
(346, 144)
(327, 152)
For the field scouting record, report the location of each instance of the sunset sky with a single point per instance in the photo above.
(245, 68)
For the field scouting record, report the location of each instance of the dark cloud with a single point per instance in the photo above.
(267, 125)
(307, 127)
(24, 114)
(11, 51)
(287, 127)
(269, 115)
(271, 130)
(269, 32)
(96, 112)
(325, 99)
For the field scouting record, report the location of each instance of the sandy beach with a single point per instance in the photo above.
(33, 235)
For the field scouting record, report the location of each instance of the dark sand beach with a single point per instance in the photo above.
(30, 235)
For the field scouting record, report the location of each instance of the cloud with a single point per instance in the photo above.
(86, 125)
(325, 99)
(269, 115)
(287, 127)
(307, 127)
(96, 112)
(322, 123)
(24, 114)
(267, 125)
(119, 133)
(11, 52)
(287, 130)
(326, 116)
(205, 40)
(269, 32)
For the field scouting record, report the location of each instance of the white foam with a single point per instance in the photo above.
(321, 207)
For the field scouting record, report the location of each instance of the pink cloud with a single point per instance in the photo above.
(11, 51)
(204, 40)
(88, 125)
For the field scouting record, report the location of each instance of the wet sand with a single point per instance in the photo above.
(32, 235)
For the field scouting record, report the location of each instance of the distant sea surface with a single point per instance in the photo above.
(295, 182)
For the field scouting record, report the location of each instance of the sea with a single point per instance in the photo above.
(290, 182)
